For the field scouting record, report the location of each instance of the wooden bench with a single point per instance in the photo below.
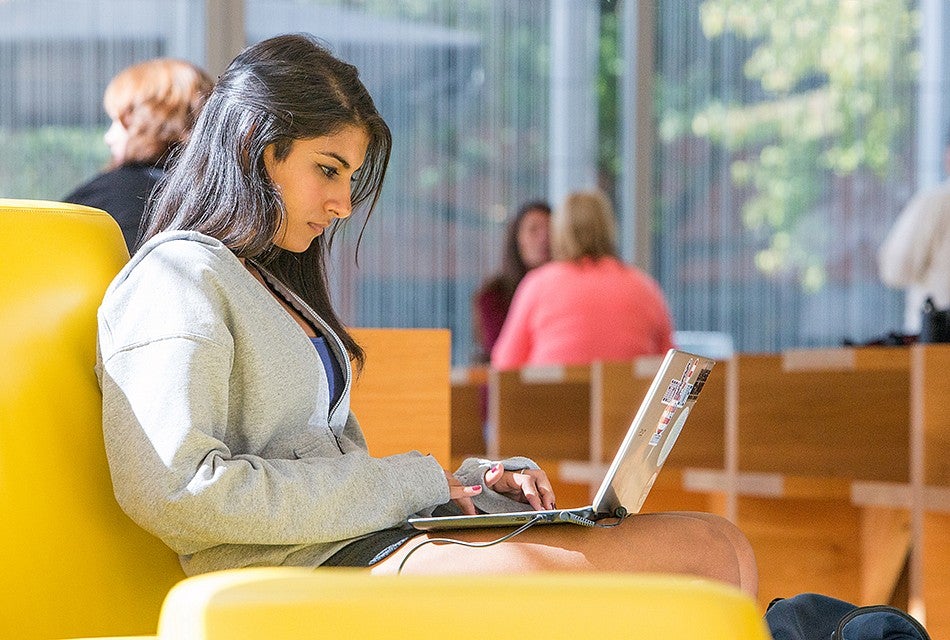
(930, 481)
(812, 427)
(834, 462)
(469, 411)
(539, 412)
(838, 413)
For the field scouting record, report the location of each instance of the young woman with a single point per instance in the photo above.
(225, 371)
(585, 305)
(153, 106)
(527, 245)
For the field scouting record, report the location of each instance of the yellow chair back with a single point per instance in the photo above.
(73, 563)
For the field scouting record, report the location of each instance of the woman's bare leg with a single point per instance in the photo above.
(748, 571)
(688, 543)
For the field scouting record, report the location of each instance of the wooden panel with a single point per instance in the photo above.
(619, 388)
(469, 409)
(886, 542)
(803, 545)
(844, 416)
(937, 573)
(568, 492)
(540, 413)
(402, 396)
(668, 494)
(821, 419)
(702, 441)
(935, 546)
(936, 398)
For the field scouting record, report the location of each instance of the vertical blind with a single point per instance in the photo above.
(786, 135)
(786, 143)
(464, 89)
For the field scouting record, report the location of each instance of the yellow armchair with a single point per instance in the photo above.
(73, 563)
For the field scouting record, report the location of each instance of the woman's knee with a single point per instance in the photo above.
(741, 547)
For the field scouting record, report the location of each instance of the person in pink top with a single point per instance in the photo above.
(586, 304)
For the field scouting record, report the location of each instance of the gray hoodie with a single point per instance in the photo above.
(217, 420)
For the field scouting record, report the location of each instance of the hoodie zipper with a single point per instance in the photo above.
(303, 307)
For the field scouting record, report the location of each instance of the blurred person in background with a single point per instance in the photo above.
(527, 245)
(586, 304)
(153, 106)
(915, 254)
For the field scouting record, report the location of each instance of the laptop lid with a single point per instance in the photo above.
(652, 433)
(637, 462)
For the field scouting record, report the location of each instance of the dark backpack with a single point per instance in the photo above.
(811, 616)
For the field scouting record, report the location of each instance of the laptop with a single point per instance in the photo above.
(635, 466)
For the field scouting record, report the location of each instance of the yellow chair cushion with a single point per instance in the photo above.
(292, 603)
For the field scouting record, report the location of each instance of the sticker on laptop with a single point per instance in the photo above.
(700, 382)
(662, 424)
(679, 390)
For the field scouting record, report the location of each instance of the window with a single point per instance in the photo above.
(783, 157)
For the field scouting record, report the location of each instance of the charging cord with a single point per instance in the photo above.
(464, 543)
(479, 545)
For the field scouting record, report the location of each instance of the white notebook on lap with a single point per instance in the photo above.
(635, 466)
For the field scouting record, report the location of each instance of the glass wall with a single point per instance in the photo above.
(786, 141)
(464, 89)
(786, 146)
(463, 86)
(56, 57)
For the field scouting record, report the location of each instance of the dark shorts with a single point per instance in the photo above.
(375, 547)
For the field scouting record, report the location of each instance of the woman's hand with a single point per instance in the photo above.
(527, 485)
(462, 494)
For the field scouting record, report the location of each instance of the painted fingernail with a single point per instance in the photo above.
(476, 488)
(494, 467)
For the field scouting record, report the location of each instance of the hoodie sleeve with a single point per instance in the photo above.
(174, 475)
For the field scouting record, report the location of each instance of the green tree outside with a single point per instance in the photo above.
(833, 78)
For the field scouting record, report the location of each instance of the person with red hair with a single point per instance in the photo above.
(153, 106)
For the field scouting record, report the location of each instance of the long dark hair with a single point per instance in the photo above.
(513, 267)
(280, 90)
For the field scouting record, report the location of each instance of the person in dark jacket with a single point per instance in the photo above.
(153, 106)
